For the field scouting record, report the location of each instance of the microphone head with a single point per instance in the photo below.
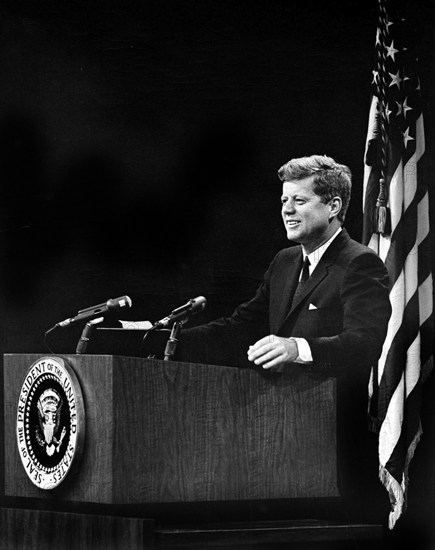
(124, 302)
(198, 304)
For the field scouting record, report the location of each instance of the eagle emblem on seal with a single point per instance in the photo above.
(49, 413)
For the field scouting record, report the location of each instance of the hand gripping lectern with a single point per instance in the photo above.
(137, 437)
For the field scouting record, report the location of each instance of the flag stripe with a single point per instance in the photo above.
(396, 197)
(403, 239)
(396, 463)
(423, 223)
(389, 433)
(397, 353)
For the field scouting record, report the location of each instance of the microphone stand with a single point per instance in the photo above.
(171, 344)
(86, 335)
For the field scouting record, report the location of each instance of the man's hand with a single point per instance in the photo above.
(273, 351)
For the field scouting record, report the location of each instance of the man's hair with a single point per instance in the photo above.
(330, 178)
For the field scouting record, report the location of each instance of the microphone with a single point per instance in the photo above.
(114, 304)
(193, 306)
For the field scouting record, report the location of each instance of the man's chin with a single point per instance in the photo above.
(293, 235)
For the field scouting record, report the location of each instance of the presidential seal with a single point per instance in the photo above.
(50, 421)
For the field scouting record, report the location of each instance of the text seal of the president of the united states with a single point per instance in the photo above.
(50, 421)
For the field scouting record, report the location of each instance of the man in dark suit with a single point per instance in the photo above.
(322, 305)
(322, 308)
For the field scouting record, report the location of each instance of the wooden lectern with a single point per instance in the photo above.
(160, 433)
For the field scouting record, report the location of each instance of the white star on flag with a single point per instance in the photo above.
(406, 108)
(399, 108)
(395, 79)
(387, 112)
(407, 137)
(391, 51)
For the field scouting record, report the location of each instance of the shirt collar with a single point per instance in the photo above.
(316, 255)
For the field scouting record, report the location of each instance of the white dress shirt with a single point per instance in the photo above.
(304, 350)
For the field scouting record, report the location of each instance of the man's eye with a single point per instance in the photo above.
(283, 201)
(299, 201)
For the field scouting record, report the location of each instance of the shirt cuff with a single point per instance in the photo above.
(304, 351)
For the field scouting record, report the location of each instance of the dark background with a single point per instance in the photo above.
(139, 145)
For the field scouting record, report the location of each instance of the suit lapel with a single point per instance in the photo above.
(291, 282)
(318, 275)
(320, 272)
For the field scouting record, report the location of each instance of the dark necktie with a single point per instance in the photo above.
(305, 271)
(304, 278)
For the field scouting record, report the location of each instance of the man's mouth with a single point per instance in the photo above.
(292, 223)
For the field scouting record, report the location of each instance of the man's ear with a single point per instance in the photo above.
(335, 206)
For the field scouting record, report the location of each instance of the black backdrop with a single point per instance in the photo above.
(140, 142)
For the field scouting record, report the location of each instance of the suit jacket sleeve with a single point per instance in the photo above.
(225, 341)
(354, 335)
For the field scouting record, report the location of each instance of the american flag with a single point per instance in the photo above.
(396, 226)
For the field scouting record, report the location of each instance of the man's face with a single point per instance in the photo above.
(307, 219)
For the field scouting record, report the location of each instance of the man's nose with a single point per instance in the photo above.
(289, 207)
